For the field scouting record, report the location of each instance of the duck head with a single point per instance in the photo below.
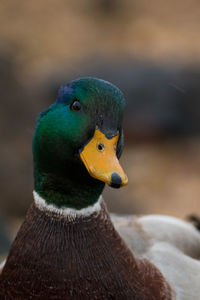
(77, 143)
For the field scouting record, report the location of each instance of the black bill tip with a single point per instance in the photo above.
(116, 180)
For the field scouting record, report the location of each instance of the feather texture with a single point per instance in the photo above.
(171, 244)
(53, 257)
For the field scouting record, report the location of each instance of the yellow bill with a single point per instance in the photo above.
(100, 159)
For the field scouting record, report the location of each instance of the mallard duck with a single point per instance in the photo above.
(68, 246)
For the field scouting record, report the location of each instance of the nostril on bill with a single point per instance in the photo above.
(116, 180)
(100, 147)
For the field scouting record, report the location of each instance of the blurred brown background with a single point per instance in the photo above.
(150, 50)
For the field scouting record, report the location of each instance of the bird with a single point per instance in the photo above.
(69, 246)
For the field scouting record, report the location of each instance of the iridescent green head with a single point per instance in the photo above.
(77, 142)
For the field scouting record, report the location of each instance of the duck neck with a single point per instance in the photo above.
(77, 191)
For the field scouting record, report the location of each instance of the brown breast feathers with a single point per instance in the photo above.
(84, 259)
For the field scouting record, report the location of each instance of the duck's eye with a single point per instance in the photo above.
(75, 106)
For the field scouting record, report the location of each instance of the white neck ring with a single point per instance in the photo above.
(71, 213)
